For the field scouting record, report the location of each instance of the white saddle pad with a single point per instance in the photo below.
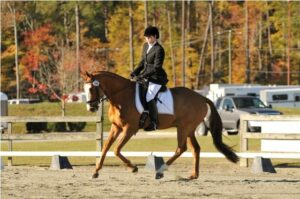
(165, 104)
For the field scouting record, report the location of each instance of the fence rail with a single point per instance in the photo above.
(14, 119)
(142, 154)
(50, 136)
(21, 119)
(245, 135)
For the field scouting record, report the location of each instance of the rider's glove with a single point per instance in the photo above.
(132, 75)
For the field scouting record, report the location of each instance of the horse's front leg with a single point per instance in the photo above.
(126, 135)
(113, 134)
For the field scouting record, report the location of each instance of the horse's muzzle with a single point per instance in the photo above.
(92, 106)
(93, 109)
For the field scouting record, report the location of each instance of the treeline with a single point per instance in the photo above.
(45, 43)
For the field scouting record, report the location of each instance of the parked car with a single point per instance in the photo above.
(230, 109)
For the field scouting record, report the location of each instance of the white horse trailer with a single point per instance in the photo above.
(220, 90)
(288, 97)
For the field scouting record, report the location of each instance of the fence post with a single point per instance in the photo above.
(243, 141)
(10, 143)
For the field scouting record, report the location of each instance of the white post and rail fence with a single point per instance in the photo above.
(44, 136)
(280, 136)
(245, 135)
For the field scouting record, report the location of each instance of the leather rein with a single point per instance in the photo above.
(98, 100)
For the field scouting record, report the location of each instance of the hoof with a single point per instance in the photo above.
(95, 175)
(159, 176)
(193, 177)
(135, 169)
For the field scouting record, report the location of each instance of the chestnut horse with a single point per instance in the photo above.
(190, 109)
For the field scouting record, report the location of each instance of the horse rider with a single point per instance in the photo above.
(150, 69)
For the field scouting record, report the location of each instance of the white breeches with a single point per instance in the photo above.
(152, 91)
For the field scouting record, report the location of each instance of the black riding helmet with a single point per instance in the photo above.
(151, 31)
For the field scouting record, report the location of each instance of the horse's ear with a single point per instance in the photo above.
(85, 75)
(88, 74)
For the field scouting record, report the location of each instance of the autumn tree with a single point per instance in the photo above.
(46, 40)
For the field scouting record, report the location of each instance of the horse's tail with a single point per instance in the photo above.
(216, 128)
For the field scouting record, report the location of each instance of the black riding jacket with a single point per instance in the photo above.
(150, 67)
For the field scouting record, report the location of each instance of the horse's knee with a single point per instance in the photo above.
(181, 150)
(117, 152)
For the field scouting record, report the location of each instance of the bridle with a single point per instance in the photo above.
(97, 100)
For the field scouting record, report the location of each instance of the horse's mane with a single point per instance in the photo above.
(106, 73)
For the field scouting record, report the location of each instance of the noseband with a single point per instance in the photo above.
(97, 100)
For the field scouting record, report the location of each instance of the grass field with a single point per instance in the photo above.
(52, 109)
(288, 111)
(77, 109)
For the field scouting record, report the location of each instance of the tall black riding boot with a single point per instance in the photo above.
(153, 116)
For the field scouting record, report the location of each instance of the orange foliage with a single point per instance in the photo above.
(36, 41)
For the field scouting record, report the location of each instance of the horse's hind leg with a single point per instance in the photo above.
(181, 147)
(192, 142)
(126, 135)
(113, 134)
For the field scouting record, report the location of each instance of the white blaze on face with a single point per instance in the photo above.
(87, 88)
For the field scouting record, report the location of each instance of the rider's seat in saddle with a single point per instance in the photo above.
(164, 101)
(142, 89)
